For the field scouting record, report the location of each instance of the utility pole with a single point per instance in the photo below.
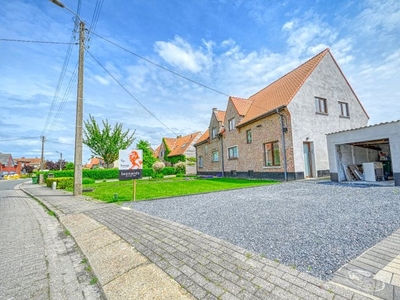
(79, 114)
(79, 104)
(42, 156)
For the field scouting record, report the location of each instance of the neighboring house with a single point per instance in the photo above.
(94, 163)
(181, 148)
(279, 132)
(33, 162)
(7, 164)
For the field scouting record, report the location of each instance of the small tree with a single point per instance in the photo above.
(180, 168)
(148, 158)
(69, 166)
(106, 142)
(157, 167)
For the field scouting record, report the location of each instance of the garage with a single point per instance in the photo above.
(368, 154)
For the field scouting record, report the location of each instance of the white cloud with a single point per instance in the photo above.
(181, 54)
(102, 80)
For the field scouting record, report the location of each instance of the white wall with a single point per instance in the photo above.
(389, 131)
(327, 82)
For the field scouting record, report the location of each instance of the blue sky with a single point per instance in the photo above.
(235, 47)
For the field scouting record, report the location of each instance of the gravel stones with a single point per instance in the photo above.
(315, 228)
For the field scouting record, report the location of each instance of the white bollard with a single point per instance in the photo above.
(54, 185)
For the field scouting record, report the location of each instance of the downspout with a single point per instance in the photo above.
(283, 144)
(222, 154)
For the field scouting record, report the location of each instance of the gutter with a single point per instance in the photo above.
(284, 129)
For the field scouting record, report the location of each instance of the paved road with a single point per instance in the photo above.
(38, 260)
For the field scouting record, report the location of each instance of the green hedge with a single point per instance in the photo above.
(62, 182)
(100, 174)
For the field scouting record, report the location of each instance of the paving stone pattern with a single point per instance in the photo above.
(211, 268)
(207, 267)
(376, 271)
(38, 261)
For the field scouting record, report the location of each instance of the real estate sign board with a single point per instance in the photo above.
(130, 164)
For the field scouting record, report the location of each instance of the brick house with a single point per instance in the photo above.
(181, 148)
(7, 164)
(279, 132)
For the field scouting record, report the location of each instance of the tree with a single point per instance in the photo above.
(148, 157)
(106, 142)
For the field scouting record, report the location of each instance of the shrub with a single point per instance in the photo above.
(88, 181)
(147, 172)
(168, 171)
(62, 182)
(158, 166)
(180, 168)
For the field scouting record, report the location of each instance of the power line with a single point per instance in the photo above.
(20, 139)
(133, 97)
(161, 67)
(36, 42)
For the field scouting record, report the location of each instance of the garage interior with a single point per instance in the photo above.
(368, 161)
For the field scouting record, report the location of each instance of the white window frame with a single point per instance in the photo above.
(215, 156)
(214, 132)
(233, 152)
(231, 124)
(344, 109)
(200, 161)
(249, 140)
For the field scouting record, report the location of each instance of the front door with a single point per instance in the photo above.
(308, 159)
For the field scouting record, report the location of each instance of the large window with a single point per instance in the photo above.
(231, 124)
(271, 153)
(344, 109)
(200, 161)
(320, 106)
(215, 156)
(233, 152)
(249, 137)
(214, 133)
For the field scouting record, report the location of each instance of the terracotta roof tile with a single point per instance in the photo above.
(281, 92)
(156, 152)
(220, 114)
(242, 105)
(182, 143)
(204, 137)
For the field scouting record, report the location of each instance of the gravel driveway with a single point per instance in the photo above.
(316, 228)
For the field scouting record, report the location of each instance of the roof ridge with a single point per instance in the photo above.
(326, 50)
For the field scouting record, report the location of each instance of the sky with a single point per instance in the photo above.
(160, 67)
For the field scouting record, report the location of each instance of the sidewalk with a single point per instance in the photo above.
(137, 256)
(37, 259)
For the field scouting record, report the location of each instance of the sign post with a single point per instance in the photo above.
(130, 166)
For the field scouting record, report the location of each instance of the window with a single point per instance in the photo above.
(215, 156)
(344, 109)
(271, 153)
(233, 152)
(200, 161)
(214, 133)
(231, 124)
(249, 137)
(320, 106)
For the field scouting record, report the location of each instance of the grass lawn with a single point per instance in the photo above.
(167, 187)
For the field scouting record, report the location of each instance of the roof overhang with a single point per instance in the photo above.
(264, 115)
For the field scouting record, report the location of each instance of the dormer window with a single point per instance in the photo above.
(231, 123)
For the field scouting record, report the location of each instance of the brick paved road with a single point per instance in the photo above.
(207, 267)
(38, 261)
